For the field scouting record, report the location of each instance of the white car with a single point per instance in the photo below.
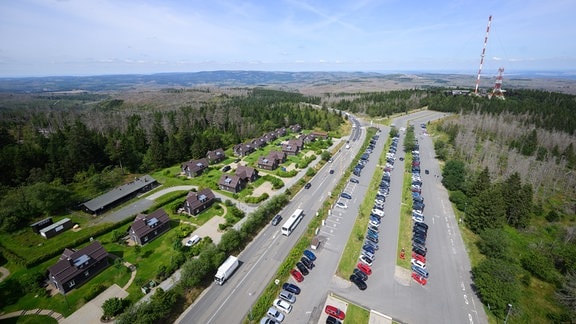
(418, 263)
(275, 314)
(366, 260)
(374, 223)
(378, 212)
(341, 205)
(282, 305)
(418, 219)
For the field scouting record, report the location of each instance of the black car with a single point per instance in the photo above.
(359, 273)
(426, 171)
(354, 180)
(331, 171)
(419, 231)
(276, 220)
(309, 264)
(332, 320)
(308, 185)
(422, 252)
(226, 168)
(358, 282)
(302, 268)
(291, 288)
(422, 225)
(419, 240)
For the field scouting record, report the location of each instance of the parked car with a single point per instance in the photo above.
(368, 248)
(420, 271)
(282, 305)
(372, 239)
(354, 180)
(418, 263)
(309, 264)
(422, 252)
(418, 257)
(287, 296)
(276, 220)
(364, 268)
(378, 212)
(226, 168)
(419, 279)
(275, 314)
(373, 228)
(374, 245)
(366, 260)
(302, 268)
(331, 171)
(360, 274)
(341, 205)
(291, 288)
(374, 222)
(308, 185)
(335, 312)
(358, 282)
(345, 195)
(297, 275)
(332, 320)
(310, 255)
(268, 320)
(422, 225)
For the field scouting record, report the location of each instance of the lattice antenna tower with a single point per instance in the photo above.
(483, 53)
(498, 92)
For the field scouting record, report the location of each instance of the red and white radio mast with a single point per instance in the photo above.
(483, 53)
(498, 92)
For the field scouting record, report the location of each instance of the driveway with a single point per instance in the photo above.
(92, 311)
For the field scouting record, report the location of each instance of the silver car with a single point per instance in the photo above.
(287, 296)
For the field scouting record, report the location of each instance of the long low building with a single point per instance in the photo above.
(119, 195)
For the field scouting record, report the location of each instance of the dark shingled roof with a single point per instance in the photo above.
(118, 193)
(73, 262)
(144, 224)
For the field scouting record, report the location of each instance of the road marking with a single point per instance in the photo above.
(463, 286)
(470, 318)
(240, 283)
(466, 299)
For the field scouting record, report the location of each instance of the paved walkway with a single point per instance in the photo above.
(92, 311)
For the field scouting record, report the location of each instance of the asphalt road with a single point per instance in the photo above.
(447, 298)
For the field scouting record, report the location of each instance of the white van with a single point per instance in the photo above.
(193, 240)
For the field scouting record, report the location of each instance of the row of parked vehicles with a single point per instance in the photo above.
(368, 253)
(419, 228)
(287, 297)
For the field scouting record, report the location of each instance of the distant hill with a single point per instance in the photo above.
(295, 80)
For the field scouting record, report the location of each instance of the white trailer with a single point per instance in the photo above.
(226, 269)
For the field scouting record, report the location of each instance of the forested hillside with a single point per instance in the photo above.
(47, 151)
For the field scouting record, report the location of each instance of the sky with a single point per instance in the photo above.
(97, 37)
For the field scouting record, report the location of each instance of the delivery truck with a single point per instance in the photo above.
(226, 269)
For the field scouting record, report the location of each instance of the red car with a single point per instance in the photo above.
(418, 257)
(364, 268)
(335, 312)
(419, 279)
(297, 275)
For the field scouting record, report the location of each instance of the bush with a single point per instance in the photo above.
(113, 306)
(497, 284)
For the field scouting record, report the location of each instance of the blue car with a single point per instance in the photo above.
(291, 288)
(368, 248)
(422, 272)
(310, 255)
(345, 195)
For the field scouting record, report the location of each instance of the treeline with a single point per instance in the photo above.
(62, 149)
(381, 103)
(548, 110)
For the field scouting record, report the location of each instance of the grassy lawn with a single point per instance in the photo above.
(30, 319)
(29, 245)
(356, 314)
(405, 230)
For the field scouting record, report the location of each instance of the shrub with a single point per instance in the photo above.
(113, 306)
